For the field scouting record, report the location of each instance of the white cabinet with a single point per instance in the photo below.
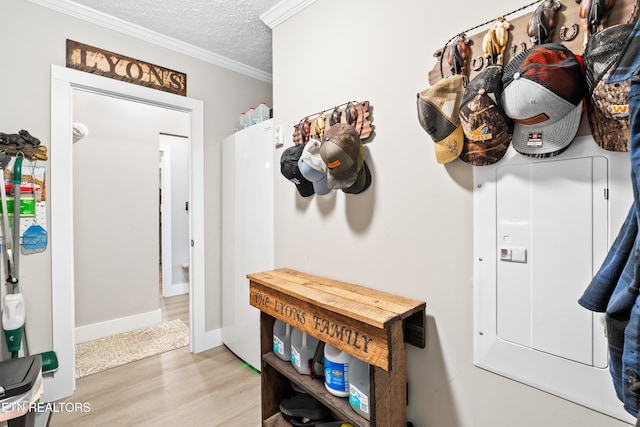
(247, 232)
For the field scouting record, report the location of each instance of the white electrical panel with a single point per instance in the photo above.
(555, 210)
(542, 228)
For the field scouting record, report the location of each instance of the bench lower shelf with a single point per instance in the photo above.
(339, 406)
(276, 421)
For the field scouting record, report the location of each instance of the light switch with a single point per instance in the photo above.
(513, 254)
(519, 255)
(278, 137)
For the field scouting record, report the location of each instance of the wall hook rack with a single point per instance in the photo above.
(355, 113)
(440, 54)
(566, 20)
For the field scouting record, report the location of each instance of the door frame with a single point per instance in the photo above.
(165, 218)
(63, 82)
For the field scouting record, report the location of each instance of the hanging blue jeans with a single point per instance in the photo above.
(615, 287)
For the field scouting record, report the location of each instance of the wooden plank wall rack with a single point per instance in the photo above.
(368, 324)
(567, 17)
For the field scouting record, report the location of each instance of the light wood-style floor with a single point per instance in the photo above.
(176, 388)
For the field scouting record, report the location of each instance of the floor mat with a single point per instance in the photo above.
(106, 353)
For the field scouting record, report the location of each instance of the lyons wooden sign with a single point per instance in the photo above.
(108, 64)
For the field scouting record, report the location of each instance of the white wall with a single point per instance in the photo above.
(34, 38)
(411, 232)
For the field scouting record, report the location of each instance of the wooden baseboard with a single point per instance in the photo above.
(117, 326)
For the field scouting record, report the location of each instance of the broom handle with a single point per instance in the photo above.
(8, 240)
(6, 232)
(17, 182)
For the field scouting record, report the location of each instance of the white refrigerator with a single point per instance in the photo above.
(247, 232)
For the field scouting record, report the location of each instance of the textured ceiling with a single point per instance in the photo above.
(229, 28)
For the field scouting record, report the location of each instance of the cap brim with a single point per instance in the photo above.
(433, 121)
(484, 154)
(305, 188)
(347, 178)
(549, 140)
(309, 172)
(439, 105)
(449, 148)
(316, 177)
(343, 180)
(608, 114)
(609, 133)
(320, 187)
(362, 183)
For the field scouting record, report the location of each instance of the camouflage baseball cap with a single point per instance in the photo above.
(485, 126)
(607, 103)
(364, 176)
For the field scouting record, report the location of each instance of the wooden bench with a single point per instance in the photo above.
(368, 324)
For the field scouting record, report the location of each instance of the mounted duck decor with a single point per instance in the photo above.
(495, 41)
(543, 22)
(353, 113)
(595, 15)
(506, 37)
(458, 57)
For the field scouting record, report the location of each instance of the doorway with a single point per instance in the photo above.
(174, 215)
(63, 83)
(115, 172)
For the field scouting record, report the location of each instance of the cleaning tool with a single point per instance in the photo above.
(13, 309)
(35, 237)
(12, 301)
(13, 315)
(49, 358)
(17, 183)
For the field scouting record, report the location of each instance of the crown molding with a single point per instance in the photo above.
(283, 11)
(86, 14)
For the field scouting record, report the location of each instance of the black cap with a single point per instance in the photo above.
(289, 169)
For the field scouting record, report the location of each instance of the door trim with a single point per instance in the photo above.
(63, 82)
(165, 218)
